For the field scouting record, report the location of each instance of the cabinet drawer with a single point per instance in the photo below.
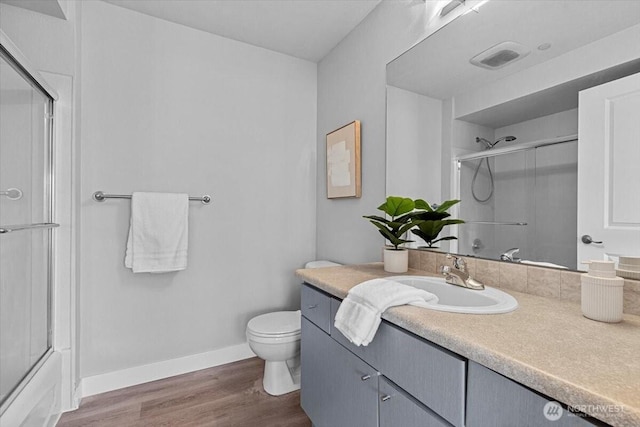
(433, 375)
(399, 409)
(494, 400)
(316, 307)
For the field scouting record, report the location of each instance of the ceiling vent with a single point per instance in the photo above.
(500, 55)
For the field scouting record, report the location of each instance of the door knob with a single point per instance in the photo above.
(385, 398)
(586, 239)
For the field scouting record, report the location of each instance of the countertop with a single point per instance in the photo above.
(545, 344)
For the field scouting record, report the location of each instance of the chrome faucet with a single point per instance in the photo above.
(509, 255)
(457, 275)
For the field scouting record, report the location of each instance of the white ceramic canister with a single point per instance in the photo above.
(396, 260)
(629, 267)
(602, 292)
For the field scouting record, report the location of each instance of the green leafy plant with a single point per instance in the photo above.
(400, 210)
(430, 221)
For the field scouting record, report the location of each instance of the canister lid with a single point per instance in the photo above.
(631, 263)
(601, 268)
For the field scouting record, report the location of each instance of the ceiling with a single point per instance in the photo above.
(48, 7)
(439, 66)
(306, 29)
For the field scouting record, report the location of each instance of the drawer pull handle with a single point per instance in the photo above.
(385, 398)
(365, 377)
(311, 307)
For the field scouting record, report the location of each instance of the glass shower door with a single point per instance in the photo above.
(25, 226)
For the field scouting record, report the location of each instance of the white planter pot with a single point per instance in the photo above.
(396, 261)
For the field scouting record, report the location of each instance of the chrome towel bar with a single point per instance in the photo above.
(11, 228)
(99, 196)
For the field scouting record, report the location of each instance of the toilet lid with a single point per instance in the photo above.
(276, 323)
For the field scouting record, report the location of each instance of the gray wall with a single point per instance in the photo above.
(169, 108)
(352, 86)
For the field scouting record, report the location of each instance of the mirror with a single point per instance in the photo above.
(450, 123)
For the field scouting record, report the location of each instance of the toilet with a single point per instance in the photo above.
(275, 337)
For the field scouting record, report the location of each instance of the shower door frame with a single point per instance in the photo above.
(30, 73)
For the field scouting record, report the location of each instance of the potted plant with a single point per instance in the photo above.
(431, 220)
(396, 259)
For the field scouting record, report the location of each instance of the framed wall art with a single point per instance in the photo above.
(343, 162)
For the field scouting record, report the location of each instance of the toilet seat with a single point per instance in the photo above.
(273, 339)
(279, 324)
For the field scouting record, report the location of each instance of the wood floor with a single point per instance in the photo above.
(225, 396)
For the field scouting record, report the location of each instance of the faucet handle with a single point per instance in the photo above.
(458, 262)
(509, 255)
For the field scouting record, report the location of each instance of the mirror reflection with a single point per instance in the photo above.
(524, 111)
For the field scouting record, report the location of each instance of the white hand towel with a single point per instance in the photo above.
(359, 315)
(158, 232)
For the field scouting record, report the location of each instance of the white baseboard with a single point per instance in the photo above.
(102, 383)
(77, 396)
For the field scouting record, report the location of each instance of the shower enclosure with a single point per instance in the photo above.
(26, 228)
(520, 197)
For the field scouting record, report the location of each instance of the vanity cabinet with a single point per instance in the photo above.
(342, 385)
(495, 400)
(402, 380)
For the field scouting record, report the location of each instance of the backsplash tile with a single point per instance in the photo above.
(546, 282)
(428, 262)
(512, 276)
(414, 259)
(441, 259)
(570, 286)
(632, 296)
(488, 272)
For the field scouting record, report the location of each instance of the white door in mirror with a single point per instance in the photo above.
(608, 170)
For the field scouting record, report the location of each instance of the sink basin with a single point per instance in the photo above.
(456, 299)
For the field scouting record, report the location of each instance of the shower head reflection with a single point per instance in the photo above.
(488, 144)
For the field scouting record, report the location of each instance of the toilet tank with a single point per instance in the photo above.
(320, 264)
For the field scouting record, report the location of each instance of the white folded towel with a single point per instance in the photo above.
(358, 317)
(158, 232)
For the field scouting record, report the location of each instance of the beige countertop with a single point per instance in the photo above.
(545, 344)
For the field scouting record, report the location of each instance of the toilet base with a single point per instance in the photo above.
(281, 377)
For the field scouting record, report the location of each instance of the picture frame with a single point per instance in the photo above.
(344, 170)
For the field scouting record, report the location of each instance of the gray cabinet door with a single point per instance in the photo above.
(337, 388)
(397, 408)
(434, 376)
(494, 400)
